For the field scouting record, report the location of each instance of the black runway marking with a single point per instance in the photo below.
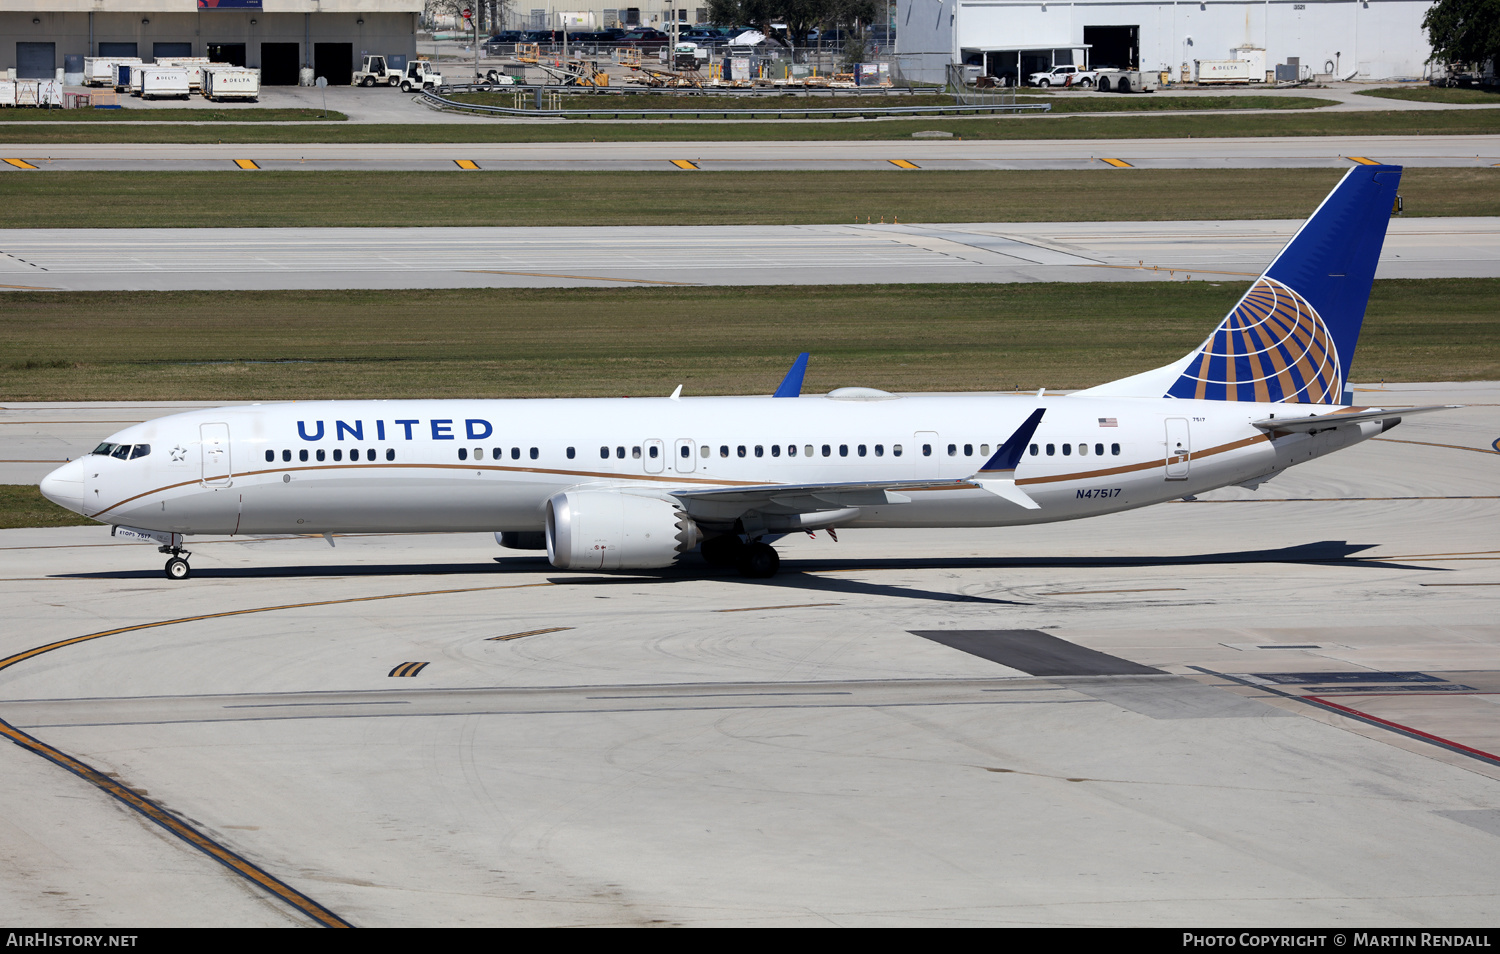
(1034, 652)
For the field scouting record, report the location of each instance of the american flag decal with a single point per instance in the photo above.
(1108, 422)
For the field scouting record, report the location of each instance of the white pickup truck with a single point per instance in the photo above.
(1060, 76)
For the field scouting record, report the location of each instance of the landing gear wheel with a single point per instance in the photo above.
(759, 561)
(178, 569)
(723, 551)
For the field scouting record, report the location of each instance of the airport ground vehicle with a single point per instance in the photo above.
(622, 484)
(160, 82)
(375, 71)
(1128, 81)
(419, 75)
(1064, 76)
(221, 83)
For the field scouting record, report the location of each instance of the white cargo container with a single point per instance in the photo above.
(7, 92)
(101, 70)
(1222, 71)
(155, 82)
(1256, 57)
(231, 82)
(193, 64)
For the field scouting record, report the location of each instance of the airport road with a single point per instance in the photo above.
(867, 739)
(167, 259)
(917, 154)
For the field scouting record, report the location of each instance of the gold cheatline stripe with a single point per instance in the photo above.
(161, 816)
(181, 829)
(529, 632)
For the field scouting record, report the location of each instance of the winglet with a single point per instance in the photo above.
(1003, 465)
(998, 475)
(791, 385)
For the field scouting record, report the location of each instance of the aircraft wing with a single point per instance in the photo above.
(1320, 422)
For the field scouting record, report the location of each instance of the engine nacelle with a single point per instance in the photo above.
(613, 530)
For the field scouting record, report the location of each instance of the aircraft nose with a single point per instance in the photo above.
(64, 486)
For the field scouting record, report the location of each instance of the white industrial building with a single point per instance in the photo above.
(278, 37)
(1346, 39)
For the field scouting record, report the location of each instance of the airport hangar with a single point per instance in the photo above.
(1342, 39)
(278, 37)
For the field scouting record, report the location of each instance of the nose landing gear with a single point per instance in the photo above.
(177, 567)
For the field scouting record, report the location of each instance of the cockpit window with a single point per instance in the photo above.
(122, 451)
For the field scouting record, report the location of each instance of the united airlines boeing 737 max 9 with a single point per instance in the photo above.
(608, 484)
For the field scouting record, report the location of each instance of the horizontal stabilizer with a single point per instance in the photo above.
(1321, 422)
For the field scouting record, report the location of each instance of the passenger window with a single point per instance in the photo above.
(571, 453)
(338, 454)
(370, 454)
(984, 450)
(463, 453)
(895, 450)
(740, 450)
(1083, 450)
(723, 450)
(843, 450)
(270, 456)
(321, 454)
(827, 451)
(479, 453)
(635, 452)
(619, 453)
(652, 450)
(286, 455)
(879, 450)
(952, 450)
(686, 452)
(1067, 450)
(1099, 450)
(302, 454)
(705, 450)
(791, 450)
(968, 450)
(536, 452)
(1114, 449)
(515, 453)
(760, 450)
(604, 453)
(1033, 450)
(807, 450)
(390, 453)
(861, 450)
(926, 450)
(1051, 449)
(140, 450)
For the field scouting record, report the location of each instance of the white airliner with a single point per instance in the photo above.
(634, 483)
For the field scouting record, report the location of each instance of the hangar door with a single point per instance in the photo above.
(117, 49)
(36, 60)
(335, 61)
(231, 53)
(279, 63)
(1116, 46)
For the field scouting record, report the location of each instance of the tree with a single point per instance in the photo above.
(1463, 31)
(800, 16)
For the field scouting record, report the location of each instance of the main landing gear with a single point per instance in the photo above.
(177, 567)
(756, 560)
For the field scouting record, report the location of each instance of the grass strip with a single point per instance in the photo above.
(379, 199)
(87, 346)
(1152, 125)
(1485, 96)
(188, 114)
(22, 505)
